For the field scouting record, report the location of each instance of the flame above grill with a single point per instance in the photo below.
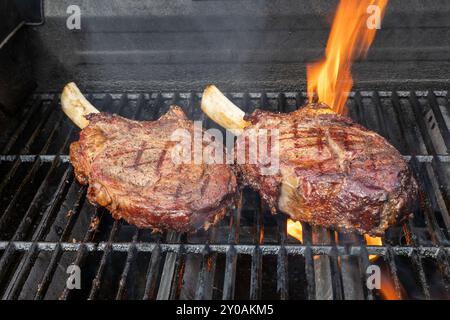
(295, 229)
(352, 33)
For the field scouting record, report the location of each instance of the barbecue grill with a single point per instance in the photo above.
(47, 224)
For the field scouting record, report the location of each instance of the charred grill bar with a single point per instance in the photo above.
(46, 223)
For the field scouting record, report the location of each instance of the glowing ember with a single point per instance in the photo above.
(295, 229)
(387, 288)
(350, 38)
(373, 241)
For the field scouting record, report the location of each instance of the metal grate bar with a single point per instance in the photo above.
(264, 101)
(131, 257)
(34, 108)
(178, 274)
(82, 249)
(56, 254)
(435, 164)
(309, 263)
(231, 253)
(420, 274)
(282, 105)
(359, 108)
(415, 258)
(6, 217)
(256, 267)
(380, 116)
(193, 108)
(349, 267)
(322, 266)
(427, 185)
(439, 118)
(364, 263)
(338, 289)
(153, 272)
(389, 257)
(26, 263)
(26, 148)
(48, 111)
(299, 100)
(418, 114)
(256, 274)
(431, 205)
(106, 255)
(444, 267)
(170, 267)
(282, 260)
(267, 249)
(230, 274)
(206, 277)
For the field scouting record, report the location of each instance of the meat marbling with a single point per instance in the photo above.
(333, 172)
(129, 169)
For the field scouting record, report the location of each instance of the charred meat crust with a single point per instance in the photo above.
(333, 172)
(129, 169)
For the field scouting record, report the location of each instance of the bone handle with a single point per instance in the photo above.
(223, 111)
(75, 105)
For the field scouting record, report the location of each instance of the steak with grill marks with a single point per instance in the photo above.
(129, 169)
(332, 171)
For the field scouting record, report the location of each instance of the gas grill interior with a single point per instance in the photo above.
(47, 224)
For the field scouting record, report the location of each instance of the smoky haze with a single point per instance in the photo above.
(238, 45)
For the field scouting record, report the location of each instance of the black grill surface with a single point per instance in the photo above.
(46, 223)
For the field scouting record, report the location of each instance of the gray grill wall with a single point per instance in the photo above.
(239, 45)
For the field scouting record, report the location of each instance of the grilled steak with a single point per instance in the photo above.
(333, 172)
(129, 169)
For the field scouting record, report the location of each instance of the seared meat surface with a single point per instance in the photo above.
(129, 169)
(332, 172)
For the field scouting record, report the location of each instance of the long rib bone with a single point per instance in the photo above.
(223, 111)
(75, 105)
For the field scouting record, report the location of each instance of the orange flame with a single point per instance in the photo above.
(387, 288)
(295, 229)
(373, 241)
(350, 37)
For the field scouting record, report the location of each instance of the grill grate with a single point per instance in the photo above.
(46, 224)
